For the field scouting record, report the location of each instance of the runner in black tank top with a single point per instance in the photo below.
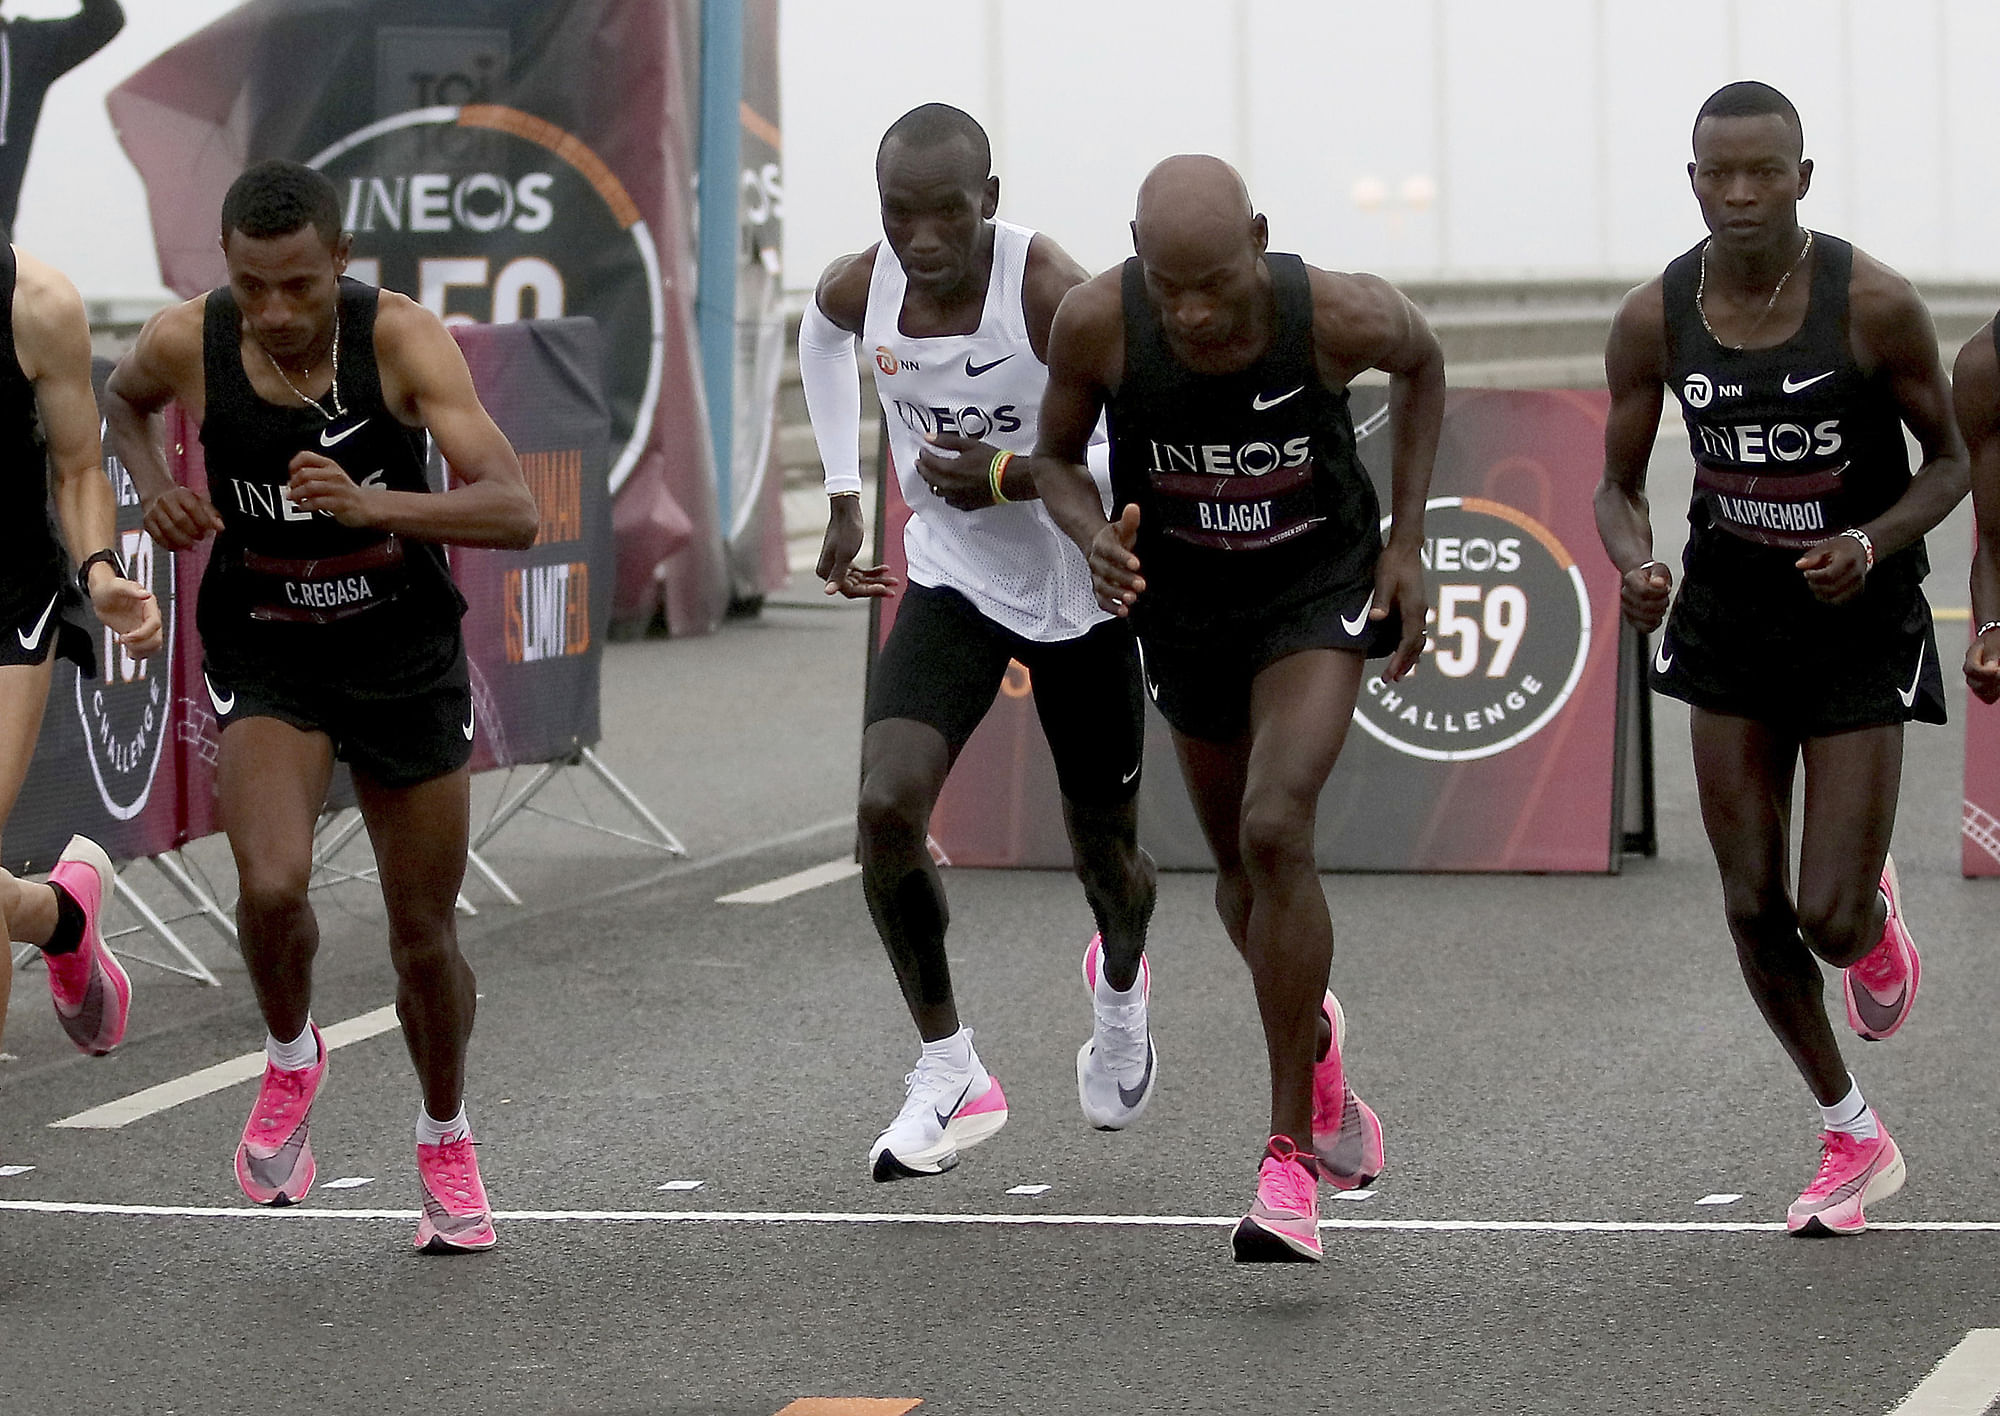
(45, 378)
(330, 628)
(1800, 632)
(1248, 555)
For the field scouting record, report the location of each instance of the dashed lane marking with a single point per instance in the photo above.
(8, 1172)
(683, 1185)
(348, 1182)
(1115, 1221)
(1030, 1189)
(783, 888)
(151, 1101)
(1965, 1383)
(1721, 1197)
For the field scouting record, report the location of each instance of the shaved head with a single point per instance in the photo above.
(1193, 198)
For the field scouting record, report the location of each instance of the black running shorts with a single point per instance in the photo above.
(944, 661)
(1808, 668)
(395, 740)
(33, 627)
(1202, 683)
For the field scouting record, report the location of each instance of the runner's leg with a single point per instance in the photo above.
(1852, 782)
(903, 767)
(420, 834)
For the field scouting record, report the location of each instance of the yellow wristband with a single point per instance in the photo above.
(996, 472)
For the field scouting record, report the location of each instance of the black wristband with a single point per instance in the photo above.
(109, 557)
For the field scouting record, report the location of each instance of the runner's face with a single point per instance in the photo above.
(934, 209)
(1205, 285)
(287, 288)
(1748, 178)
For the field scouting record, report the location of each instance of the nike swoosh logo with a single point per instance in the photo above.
(31, 642)
(1353, 626)
(1910, 698)
(1122, 781)
(1662, 660)
(329, 438)
(1791, 387)
(1260, 402)
(973, 371)
(1132, 1096)
(944, 1117)
(467, 729)
(222, 705)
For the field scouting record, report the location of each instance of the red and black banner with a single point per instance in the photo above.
(128, 758)
(1500, 752)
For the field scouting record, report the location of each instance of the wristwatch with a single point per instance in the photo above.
(109, 557)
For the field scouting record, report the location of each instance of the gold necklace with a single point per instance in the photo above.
(333, 393)
(1701, 288)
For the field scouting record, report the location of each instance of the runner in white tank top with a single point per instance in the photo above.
(954, 309)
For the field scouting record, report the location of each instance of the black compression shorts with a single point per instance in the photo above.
(1202, 684)
(944, 661)
(395, 740)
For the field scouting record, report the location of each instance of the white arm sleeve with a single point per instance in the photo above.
(831, 375)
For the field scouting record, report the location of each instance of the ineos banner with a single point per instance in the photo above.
(1498, 753)
(497, 160)
(128, 759)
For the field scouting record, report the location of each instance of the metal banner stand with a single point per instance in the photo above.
(660, 839)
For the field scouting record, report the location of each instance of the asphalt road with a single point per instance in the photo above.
(1543, 1051)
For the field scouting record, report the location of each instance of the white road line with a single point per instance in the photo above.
(7, 1172)
(1030, 1189)
(141, 1104)
(1965, 1383)
(1721, 1197)
(1122, 1221)
(771, 891)
(348, 1182)
(682, 1185)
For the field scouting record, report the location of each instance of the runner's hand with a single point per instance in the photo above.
(181, 518)
(129, 611)
(958, 469)
(838, 549)
(1399, 583)
(1114, 570)
(321, 484)
(1835, 569)
(1982, 666)
(1643, 593)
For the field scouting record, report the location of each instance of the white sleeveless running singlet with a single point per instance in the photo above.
(1011, 561)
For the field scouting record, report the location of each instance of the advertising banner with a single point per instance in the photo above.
(1500, 752)
(128, 758)
(497, 160)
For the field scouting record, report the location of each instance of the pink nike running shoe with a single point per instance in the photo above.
(274, 1160)
(1852, 1172)
(92, 994)
(1347, 1136)
(456, 1218)
(1881, 985)
(1282, 1227)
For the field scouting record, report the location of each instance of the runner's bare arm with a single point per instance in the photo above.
(425, 383)
(1362, 321)
(163, 367)
(52, 342)
(1635, 368)
(830, 373)
(1975, 386)
(1086, 358)
(959, 468)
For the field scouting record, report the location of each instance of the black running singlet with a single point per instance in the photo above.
(33, 563)
(293, 590)
(1251, 497)
(1791, 444)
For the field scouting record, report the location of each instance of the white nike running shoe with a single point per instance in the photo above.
(945, 1111)
(1118, 1067)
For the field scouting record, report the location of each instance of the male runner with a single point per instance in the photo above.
(1248, 555)
(956, 309)
(329, 626)
(1800, 631)
(45, 375)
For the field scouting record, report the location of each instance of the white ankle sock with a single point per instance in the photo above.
(1851, 1114)
(301, 1052)
(954, 1051)
(436, 1133)
(1113, 998)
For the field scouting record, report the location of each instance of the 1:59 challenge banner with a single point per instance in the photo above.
(1498, 753)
